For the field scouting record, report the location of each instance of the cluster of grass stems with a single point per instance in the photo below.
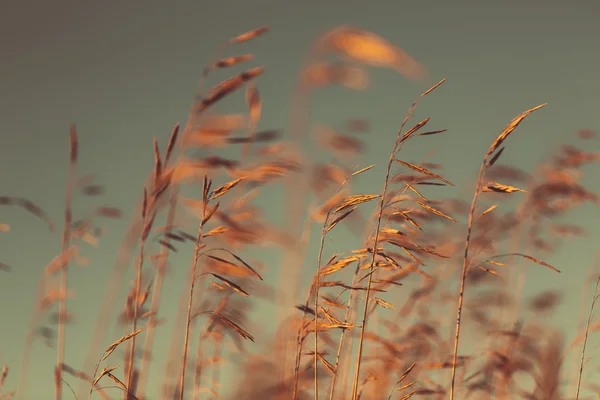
(408, 232)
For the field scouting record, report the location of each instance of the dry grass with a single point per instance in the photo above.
(389, 295)
(585, 337)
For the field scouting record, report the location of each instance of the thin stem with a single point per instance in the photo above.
(138, 284)
(587, 330)
(156, 293)
(343, 334)
(484, 165)
(191, 120)
(92, 386)
(324, 232)
(400, 140)
(66, 239)
(300, 340)
(573, 370)
(371, 271)
(463, 276)
(347, 319)
(191, 295)
(317, 284)
(296, 189)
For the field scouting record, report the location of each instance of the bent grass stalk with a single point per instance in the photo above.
(106, 371)
(400, 139)
(491, 155)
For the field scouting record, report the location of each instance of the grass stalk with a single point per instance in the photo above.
(324, 232)
(136, 299)
(491, 155)
(193, 278)
(400, 140)
(66, 240)
(585, 336)
(160, 271)
(343, 335)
